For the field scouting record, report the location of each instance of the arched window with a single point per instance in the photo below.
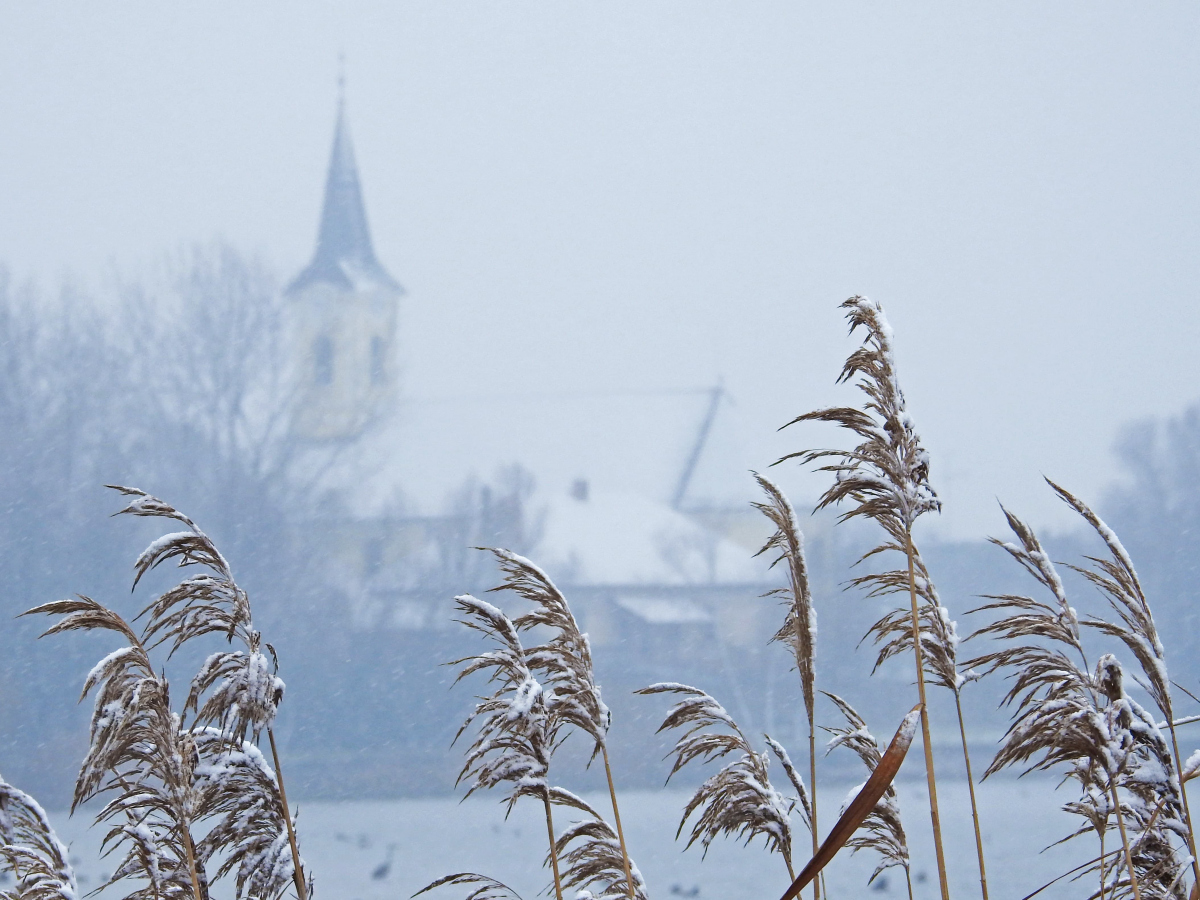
(378, 360)
(323, 360)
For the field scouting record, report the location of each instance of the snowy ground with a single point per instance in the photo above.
(348, 845)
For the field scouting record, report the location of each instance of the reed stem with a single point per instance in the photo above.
(1112, 786)
(612, 792)
(297, 871)
(1187, 811)
(925, 736)
(558, 894)
(1102, 872)
(191, 861)
(812, 793)
(962, 730)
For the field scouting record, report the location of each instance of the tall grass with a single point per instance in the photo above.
(1080, 719)
(885, 478)
(799, 629)
(181, 793)
(541, 693)
(190, 797)
(31, 849)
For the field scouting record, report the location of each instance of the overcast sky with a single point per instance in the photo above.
(608, 196)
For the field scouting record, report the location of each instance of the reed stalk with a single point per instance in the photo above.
(558, 894)
(1112, 787)
(1187, 811)
(612, 793)
(297, 870)
(812, 787)
(799, 627)
(962, 731)
(926, 739)
(191, 861)
(1102, 872)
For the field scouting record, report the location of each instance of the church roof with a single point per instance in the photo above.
(344, 255)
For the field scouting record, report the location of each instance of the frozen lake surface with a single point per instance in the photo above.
(347, 845)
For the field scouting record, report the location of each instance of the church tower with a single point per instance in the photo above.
(342, 309)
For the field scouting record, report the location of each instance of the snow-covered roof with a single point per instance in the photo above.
(621, 538)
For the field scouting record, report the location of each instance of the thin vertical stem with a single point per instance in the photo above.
(1112, 786)
(812, 792)
(612, 792)
(558, 894)
(925, 736)
(1102, 867)
(908, 880)
(297, 871)
(191, 861)
(962, 730)
(1187, 811)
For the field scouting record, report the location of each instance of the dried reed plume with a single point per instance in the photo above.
(886, 478)
(243, 686)
(1066, 714)
(167, 778)
(593, 857)
(482, 887)
(565, 664)
(798, 632)
(1118, 581)
(247, 817)
(517, 734)
(882, 830)
(140, 752)
(31, 849)
(738, 800)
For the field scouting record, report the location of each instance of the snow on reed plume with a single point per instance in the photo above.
(169, 778)
(1118, 582)
(885, 477)
(31, 850)
(881, 831)
(739, 800)
(140, 754)
(516, 733)
(524, 720)
(565, 664)
(593, 856)
(1070, 716)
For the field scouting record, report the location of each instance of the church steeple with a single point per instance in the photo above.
(344, 257)
(342, 312)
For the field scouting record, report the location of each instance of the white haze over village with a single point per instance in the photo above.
(333, 298)
(615, 207)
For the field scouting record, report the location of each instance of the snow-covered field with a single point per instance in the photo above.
(348, 846)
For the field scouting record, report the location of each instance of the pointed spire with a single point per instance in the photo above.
(344, 255)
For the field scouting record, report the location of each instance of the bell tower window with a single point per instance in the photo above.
(323, 360)
(378, 360)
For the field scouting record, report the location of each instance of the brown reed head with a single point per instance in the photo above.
(591, 856)
(799, 628)
(517, 734)
(882, 830)
(31, 849)
(739, 800)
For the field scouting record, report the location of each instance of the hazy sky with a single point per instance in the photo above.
(606, 196)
